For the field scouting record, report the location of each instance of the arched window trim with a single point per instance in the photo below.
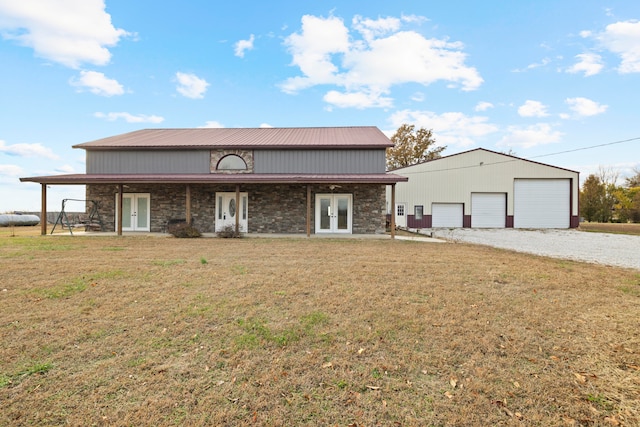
(229, 157)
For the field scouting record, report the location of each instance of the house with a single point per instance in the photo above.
(485, 189)
(266, 180)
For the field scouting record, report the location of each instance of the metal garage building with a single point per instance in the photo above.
(485, 189)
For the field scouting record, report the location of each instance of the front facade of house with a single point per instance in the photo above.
(267, 180)
(485, 189)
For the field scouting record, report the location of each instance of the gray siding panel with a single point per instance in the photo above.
(170, 161)
(319, 161)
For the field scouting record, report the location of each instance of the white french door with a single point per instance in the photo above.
(227, 207)
(334, 213)
(401, 215)
(136, 212)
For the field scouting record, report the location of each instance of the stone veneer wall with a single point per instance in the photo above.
(272, 208)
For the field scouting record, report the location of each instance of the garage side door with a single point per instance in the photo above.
(541, 203)
(488, 210)
(446, 215)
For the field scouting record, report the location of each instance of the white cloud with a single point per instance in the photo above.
(129, 118)
(623, 39)
(588, 63)
(543, 63)
(356, 99)
(191, 86)
(70, 32)
(584, 107)
(212, 124)
(97, 83)
(11, 170)
(242, 45)
(450, 128)
(530, 136)
(27, 150)
(65, 169)
(369, 60)
(418, 97)
(533, 109)
(483, 106)
(265, 125)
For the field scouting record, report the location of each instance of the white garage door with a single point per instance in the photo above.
(488, 210)
(446, 215)
(541, 203)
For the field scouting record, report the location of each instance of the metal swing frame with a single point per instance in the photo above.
(93, 222)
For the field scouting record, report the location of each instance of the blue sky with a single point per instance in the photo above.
(532, 77)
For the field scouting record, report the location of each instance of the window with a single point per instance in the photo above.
(417, 212)
(231, 163)
(400, 210)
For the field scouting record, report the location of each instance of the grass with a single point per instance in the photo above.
(312, 332)
(599, 227)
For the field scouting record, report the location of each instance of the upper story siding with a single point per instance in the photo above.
(345, 161)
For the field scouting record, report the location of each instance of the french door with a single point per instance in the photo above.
(136, 212)
(227, 208)
(334, 213)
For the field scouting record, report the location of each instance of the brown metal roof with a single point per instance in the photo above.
(257, 138)
(81, 179)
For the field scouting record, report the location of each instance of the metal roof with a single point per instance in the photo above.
(81, 179)
(256, 138)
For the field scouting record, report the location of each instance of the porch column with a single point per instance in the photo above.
(393, 211)
(188, 202)
(43, 210)
(119, 210)
(238, 210)
(308, 210)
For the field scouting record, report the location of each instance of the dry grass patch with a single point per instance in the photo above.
(600, 227)
(148, 331)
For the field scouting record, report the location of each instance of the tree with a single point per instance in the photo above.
(633, 181)
(591, 197)
(412, 146)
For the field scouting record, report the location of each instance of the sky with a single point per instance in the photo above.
(556, 82)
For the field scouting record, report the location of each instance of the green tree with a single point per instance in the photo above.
(412, 146)
(591, 198)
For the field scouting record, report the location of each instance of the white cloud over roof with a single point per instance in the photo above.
(71, 32)
(97, 83)
(530, 136)
(11, 170)
(129, 118)
(190, 85)
(371, 57)
(451, 128)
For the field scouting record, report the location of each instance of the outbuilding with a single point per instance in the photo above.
(485, 189)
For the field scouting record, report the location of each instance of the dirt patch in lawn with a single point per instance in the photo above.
(149, 331)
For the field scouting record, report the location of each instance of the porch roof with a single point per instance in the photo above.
(239, 178)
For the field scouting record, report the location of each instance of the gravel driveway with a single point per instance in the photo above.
(609, 249)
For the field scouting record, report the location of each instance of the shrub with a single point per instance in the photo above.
(184, 230)
(229, 231)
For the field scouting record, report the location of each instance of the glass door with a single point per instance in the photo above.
(333, 213)
(136, 212)
(227, 208)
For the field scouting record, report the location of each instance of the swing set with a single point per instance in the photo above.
(91, 222)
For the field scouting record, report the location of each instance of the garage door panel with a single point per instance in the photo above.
(488, 210)
(447, 215)
(542, 203)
